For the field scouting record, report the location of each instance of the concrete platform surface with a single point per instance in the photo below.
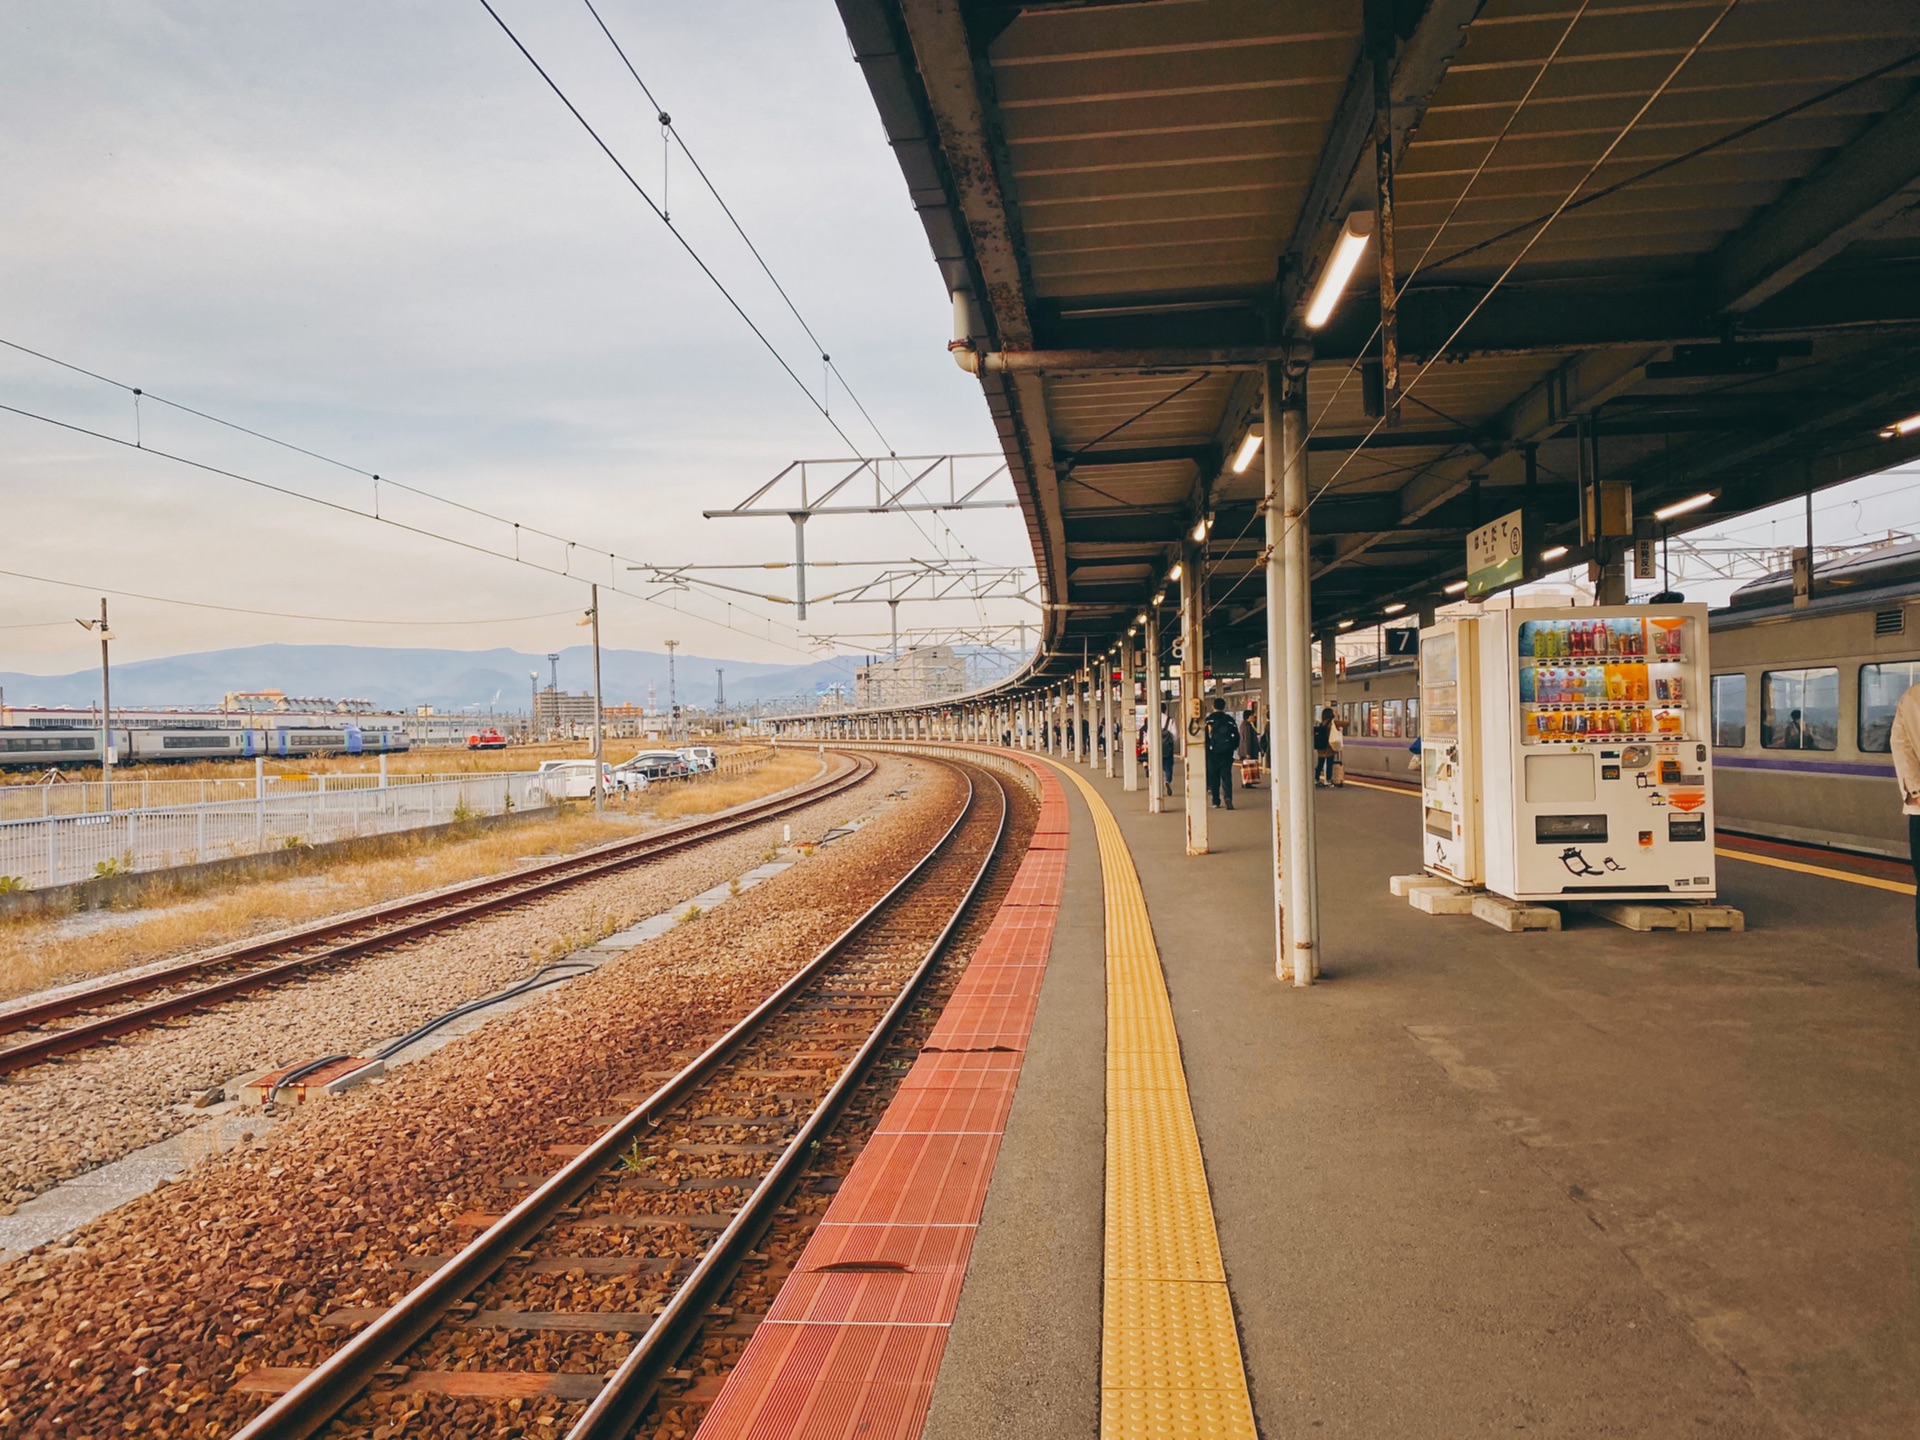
(1584, 1183)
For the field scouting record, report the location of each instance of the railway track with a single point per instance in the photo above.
(211, 979)
(637, 1233)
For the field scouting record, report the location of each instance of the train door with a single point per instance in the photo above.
(354, 742)
(1450, 751)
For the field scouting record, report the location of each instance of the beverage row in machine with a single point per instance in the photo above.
(1612, 683)
(1609, 639)
(1545, 725)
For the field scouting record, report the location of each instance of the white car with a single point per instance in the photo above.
(573, 780)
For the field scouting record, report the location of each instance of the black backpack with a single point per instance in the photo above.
(1223, 736)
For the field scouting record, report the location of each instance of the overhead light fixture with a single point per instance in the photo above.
(1555, 553)
(1701, 501)
(1339, 267)
(1456, 587)
(1200, 528)
(1900, 429)
(1159, 597)
(1141, 618)
(1396, 607)
(1346, 624)
(1249, 448)
(1174, 573)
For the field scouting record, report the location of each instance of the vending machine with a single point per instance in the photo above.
(1450, 751)
(1597, 773)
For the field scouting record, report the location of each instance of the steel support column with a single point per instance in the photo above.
(1193, 694)
(1290, 641)
(1106, 715)
(1156, 712)
(1129, 762)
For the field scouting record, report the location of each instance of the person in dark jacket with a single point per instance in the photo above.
(1169, 749)
(1323, 756)
(1249, 740)
(1222, 741)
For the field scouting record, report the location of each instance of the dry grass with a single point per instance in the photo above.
(40, 951)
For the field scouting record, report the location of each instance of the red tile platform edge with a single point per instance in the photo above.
(841, 1372)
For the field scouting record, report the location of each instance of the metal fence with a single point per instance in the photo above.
(62, 848)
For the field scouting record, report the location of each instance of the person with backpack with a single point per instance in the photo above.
(1323, 750)
(1222, 740)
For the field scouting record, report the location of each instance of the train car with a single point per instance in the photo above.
(159, 747)
(42, 748)
(1803, 699)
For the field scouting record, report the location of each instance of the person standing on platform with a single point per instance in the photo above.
(1906, 767)
(1169, 744)
(1222, 740)
(1249, 743)
(1323, 750)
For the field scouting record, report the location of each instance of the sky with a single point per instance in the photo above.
(371, 230)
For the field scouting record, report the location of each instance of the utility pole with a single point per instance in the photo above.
(106, 706)
(533, 705)
(553, 663)
(592, 618)
(673, 694)
(719, 689)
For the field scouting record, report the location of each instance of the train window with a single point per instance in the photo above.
(1881, 687)
(1800, 709)
(1371, 724)
(1730, 711)
(1413, 716)
(1391, 720)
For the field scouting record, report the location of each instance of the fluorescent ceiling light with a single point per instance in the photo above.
(1682, 507)
(1554, 554)
(1174, 573)
(1346, 624)
(1249, 448)
(1396, 607)
(1339, 268)
(1456, 587)
(1900, 429)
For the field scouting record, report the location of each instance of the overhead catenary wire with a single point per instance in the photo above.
(1544, 223)
(610, 583)
(818, 402)
(255, 611)
(1406, 281)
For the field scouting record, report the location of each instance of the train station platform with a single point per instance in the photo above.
(1579, 1183)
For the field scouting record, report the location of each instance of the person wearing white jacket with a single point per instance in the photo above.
(1906, 765)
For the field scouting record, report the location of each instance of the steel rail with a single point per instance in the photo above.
(624, 1398)
(444, 910)
(321, 1394)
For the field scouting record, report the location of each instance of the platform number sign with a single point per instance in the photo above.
(1496, 556)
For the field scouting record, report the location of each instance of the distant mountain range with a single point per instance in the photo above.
(401, 679)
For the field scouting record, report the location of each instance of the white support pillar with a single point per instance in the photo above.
(1156, 713)
(1290, 642)
(1129, 763)
(1193, 695)
(1090, 712)
(1106, 715)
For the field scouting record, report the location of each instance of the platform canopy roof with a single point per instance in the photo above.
(1673, 240)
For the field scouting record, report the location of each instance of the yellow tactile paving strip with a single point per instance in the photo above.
(1169, 1351)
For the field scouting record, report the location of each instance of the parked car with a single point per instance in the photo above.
(571, 780)
(655, 765)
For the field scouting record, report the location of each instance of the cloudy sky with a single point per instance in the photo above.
(370, 229)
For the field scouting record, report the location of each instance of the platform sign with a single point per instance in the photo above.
(1644, 566)
(1496, 555)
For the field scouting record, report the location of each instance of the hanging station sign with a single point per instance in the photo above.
(1496, 555)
